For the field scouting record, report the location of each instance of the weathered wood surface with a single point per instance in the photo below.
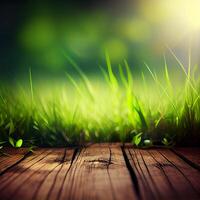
(11, 157)
(99, 171)
(163, 175)
(191, 155)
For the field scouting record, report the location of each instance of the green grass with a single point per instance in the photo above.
(147, 110)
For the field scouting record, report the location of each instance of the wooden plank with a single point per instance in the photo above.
(163, 175)
(24, 180)
(11, 157)
(190, 155)
(191, 175)
(16, 171)
(98, 172)
(52, 184)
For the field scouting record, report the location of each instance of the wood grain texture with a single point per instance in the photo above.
(163, 175)
(99, 172)
(190, 155)
(11, 157)
(25, 180)
(95, 172)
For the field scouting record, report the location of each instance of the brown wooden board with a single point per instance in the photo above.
(10, 157)
(98, 172)
(95, 172)
(190, 155)
(24, 180)
(163, 175)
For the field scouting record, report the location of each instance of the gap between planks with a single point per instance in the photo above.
(189, 155)
(96, 172)
(100, 171)
(162, 174)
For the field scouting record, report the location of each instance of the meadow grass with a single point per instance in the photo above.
(147, 110)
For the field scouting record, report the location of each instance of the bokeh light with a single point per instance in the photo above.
(136, 30)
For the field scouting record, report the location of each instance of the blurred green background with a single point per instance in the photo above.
(37, 34)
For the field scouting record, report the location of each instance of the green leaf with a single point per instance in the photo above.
(165, 142)
(11, 141)
(137, 139)
(31, 149)
(19, 143)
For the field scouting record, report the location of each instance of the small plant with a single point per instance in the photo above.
(168, 141)
(137, 139)
(16, 144)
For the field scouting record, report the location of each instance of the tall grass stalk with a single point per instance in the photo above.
(118, 108)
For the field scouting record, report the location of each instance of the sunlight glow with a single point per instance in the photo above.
(192, 16)
(180, 12)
